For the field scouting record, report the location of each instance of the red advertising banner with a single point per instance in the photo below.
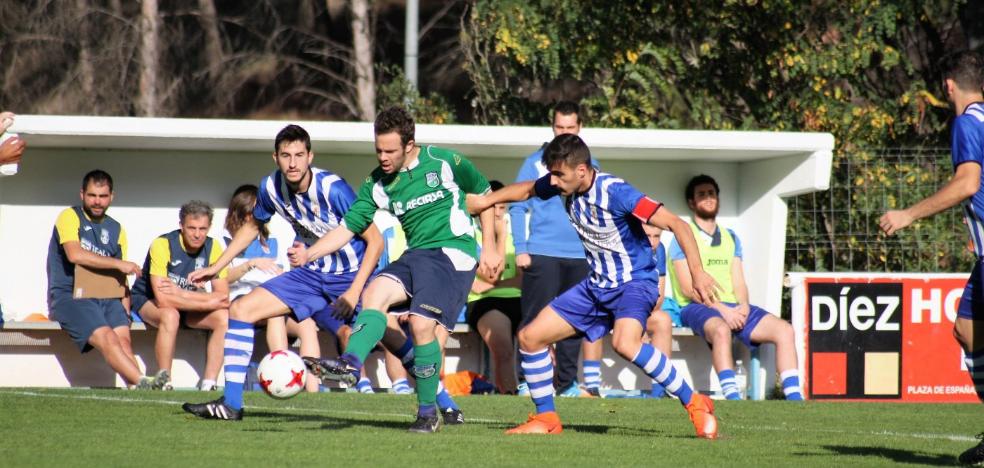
(880, 337)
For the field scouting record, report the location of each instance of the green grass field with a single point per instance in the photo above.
(96, 428)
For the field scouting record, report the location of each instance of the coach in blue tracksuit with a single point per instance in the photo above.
(547, 248)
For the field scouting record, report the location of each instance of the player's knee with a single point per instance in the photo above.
(170, 319)
(720, 336)
(658, 321)
(527, 342)
(239, 311)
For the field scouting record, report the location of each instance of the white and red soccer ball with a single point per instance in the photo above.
(282, 374)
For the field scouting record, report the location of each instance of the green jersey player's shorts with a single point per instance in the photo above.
(437, 286)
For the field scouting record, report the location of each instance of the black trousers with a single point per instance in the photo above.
(545, 279)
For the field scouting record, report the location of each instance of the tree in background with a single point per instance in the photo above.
(863, 70)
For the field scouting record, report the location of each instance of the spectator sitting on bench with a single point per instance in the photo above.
(86, 236)
(720, 250)
(165, 298)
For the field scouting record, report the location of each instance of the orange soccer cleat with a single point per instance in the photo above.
(701, 410)
(543, 423)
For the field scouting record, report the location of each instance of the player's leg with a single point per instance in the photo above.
(398, 344)
(534, 339)
(772, 329)
(167, 320)
(298, 290)
(567, 352)
(659, 327)
(217, 322)
(708, 324)
(370, 327)
(108, 344)
(968, 329)
(307, 332)
(396, 373)
(496, 331)
(632, 304)
(592, 352)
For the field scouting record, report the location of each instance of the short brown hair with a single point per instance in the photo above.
(396, 119)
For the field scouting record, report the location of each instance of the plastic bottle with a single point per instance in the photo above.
(741, 379)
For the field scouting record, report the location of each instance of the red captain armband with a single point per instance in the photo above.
(646, 208)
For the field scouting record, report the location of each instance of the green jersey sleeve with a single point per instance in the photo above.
(360, 214)
(467, 176)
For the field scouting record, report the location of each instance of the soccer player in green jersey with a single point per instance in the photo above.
(425, 188)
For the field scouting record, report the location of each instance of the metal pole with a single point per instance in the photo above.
(410, 50)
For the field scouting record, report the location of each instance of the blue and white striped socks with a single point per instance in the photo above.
(364, 386)
(791, 385)
(539, 372)
(729, 386)
(238, 352)
(656, 365)
(975, 365)
(592, 374)
(402, 387)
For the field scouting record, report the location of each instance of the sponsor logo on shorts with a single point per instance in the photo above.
(431, 308)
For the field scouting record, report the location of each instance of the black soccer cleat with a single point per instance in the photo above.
(974, 456)
(425, 424)
(332, 369)
(452, 417)
(216, 409)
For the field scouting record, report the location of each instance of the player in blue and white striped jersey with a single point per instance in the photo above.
(325, 289)
(619, 293)
(963, 78)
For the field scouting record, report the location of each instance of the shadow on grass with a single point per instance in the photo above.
(894, 455)
(330, 422)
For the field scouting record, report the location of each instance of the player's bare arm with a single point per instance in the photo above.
(490, 260)
(345, 304)
(740, 287)
(79, 256)
(328, 244)
(702, 286)
(167, 295)
(240, 241)
(964, 184)
(520, 191)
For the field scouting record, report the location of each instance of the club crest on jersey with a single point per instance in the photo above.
(199, 263)
(433, 180)
(104, 236)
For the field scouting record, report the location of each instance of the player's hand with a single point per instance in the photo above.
(894, 220)
(297, 254)
(490, 265)
(129, 268)
(267, 265)
(167, 287)
(344, 306)
(475, 203)
(706, 288)
(11, 150)
(200, 277)
(6, 120)
(743, 310)
(523, 261)
(731, 316)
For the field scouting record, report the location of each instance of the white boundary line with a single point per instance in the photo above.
(914, 435)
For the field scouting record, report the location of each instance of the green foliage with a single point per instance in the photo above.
(863, 70)
(397, 90)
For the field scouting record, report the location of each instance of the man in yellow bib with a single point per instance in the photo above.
(731, 315)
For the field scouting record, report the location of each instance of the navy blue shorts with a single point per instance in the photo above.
(695, 315)
(972, 302)
(593, 311)
(437, 288)
(81, 317)
(309, 294)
